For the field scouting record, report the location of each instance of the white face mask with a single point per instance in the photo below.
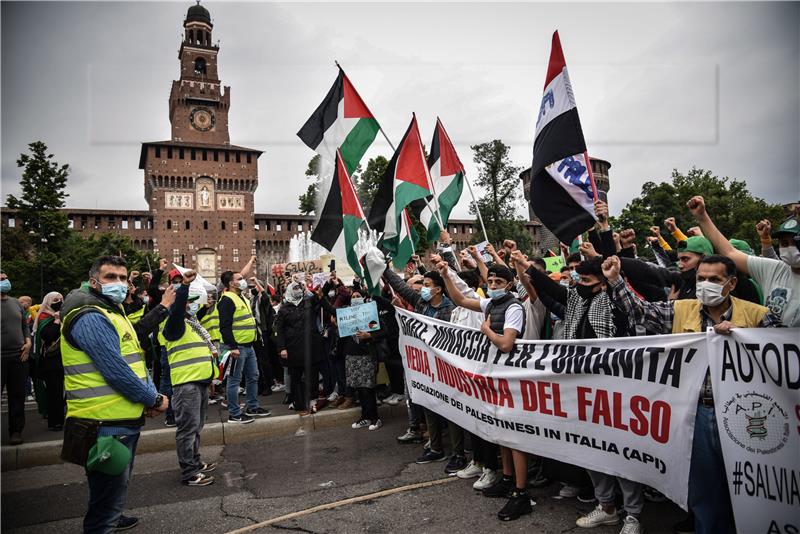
(709, 293)
(243, 284)
(790, 255)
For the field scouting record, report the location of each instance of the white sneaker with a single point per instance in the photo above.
(569, 492)
(471, 471)
(376, 425)
(391, 400)
(333, 397)
(276, 388)
(597, 517)
(488, 478)
(631, 525)
(361, 423)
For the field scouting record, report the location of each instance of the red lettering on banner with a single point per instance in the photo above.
(535, 396)
(418, 360)
(505, 394)
(646, 418)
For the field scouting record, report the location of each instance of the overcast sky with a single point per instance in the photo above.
(658, 86)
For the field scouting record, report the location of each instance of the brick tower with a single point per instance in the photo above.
(198, 186)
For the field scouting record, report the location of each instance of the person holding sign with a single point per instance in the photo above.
(714, 306)
(361, 364)
(504, 323)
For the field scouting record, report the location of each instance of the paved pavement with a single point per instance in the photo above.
(265, 478)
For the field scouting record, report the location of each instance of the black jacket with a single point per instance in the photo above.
(296, 331)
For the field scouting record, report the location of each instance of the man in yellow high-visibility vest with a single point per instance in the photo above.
(106, 381)
(239, 332)
(192, 366)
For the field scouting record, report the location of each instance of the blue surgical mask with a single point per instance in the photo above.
(356, 301)
(575, 276)
(425, 293)
(193, 307)
(564, 283)
(116, 292)
(176, 286)
(5, 286)
(496, 293)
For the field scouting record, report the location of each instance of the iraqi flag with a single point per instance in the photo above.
(341, 217)
(562, 188)
(342, 121)
(403, 245)
(406, 179)
(447, 177)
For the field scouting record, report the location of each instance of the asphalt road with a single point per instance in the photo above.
(267, 478)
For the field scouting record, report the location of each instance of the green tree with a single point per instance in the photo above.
(308, 200)
(734, 209)
(499, 180)
(367, 182)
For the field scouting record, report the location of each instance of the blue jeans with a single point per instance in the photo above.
(247, 364)
(108, 494)
(709, 498)
(165, 383)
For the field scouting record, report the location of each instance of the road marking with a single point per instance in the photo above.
(343, 502)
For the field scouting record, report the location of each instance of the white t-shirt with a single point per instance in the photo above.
(781, 288)
(535, 314)
(515, 315)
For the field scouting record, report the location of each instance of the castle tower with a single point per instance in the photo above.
(198, 186)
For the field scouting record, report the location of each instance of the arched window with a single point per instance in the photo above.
(222, 225)
(205, 225)
(241, 227)
(169, 224)
(200, 67)
(188, 225)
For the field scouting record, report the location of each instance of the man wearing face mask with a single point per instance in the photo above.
(191, 353)
(16, 347)
(779, 280)
(714, 307)
(239, 332)
(106, 381)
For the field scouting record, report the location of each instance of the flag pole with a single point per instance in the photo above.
(591, 175)
(477, 208)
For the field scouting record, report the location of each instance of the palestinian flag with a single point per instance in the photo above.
(447, 177)
(562, 187)
(341, 216)
(403, 245)
(406, 179)
(342, 121)
(373, 265)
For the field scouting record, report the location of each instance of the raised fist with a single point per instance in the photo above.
(764, 229)
(627, 237)
(188, 277)
(587, 250)
(656, 231)
(611, 268)
(669, 223)
(509, 244)
(697, 205)
(162, 264)
(694, 231)
(601, 210)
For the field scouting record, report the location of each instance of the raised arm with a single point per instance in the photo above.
(247, 270)
(482, 269)
(455, 295)
(400, 287)
(697, 205)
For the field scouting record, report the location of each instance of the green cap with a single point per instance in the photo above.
(740, 244)
(789, 226)
(697, 244)
(108, 456)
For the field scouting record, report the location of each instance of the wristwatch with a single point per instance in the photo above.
(159, 400)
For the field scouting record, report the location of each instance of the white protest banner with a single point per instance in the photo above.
(755, 376)
(622, 406)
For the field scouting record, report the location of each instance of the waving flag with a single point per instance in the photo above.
(562, 187)
(406, 179)
(447, 177)
(341, 216)
(403, 245)
(342, 121)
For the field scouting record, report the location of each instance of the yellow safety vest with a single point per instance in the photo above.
(210, 322)
(88, 394)
(190, 359)
(687, 315)
(136, 316)
(244, 324)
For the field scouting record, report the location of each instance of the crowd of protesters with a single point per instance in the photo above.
(158, 342)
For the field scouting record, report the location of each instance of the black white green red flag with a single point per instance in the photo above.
(406, 179)
(562, 187)
(342, 121)
(447, 177)
(402, 245)
(341, 216)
